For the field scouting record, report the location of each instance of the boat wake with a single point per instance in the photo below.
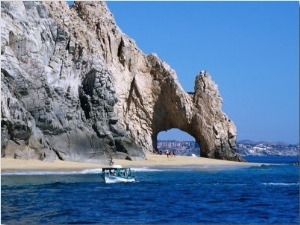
(145, 169)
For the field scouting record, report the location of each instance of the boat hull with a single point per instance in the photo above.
(115, 179)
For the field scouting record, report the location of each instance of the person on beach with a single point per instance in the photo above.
(111, 163)
(167, 153)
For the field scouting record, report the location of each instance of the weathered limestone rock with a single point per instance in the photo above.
(57, 100)
(75, 87)
(221, 132)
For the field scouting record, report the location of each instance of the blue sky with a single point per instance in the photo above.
(250, 49)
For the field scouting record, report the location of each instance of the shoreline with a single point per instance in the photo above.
(16, 165)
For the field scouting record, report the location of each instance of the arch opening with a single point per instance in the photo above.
(177, 141)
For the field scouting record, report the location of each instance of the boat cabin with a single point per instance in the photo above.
(119, 172)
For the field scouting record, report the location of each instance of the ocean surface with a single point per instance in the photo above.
(265, 194)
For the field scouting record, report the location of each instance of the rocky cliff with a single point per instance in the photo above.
(75, 87)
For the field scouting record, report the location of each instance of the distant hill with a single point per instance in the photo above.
(247, 142)
(265, 148)
(244, 148)
(264, 142)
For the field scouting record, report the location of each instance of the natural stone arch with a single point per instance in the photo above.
(199, 113)
(151, 98)
(56, 107)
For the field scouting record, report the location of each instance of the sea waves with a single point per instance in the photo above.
(281, 184)
(267, 194)
(86, 171)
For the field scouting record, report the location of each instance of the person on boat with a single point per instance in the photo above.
(112, 172)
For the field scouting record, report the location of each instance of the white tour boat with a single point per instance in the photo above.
(116, 175)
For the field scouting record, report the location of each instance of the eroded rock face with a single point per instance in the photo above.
(74, 87)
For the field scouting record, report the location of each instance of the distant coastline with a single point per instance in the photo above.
(244, 148)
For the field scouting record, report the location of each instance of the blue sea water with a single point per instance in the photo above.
(265, 194)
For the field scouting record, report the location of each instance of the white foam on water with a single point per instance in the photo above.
(91, 171)
(86, 171)
(145, 169)
(30, 173)
(281, 184)
(134, 169)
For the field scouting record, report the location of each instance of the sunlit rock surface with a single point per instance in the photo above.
(76, 88)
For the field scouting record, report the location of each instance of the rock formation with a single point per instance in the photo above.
(75, 87)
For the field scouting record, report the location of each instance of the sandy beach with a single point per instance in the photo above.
(152, 161)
